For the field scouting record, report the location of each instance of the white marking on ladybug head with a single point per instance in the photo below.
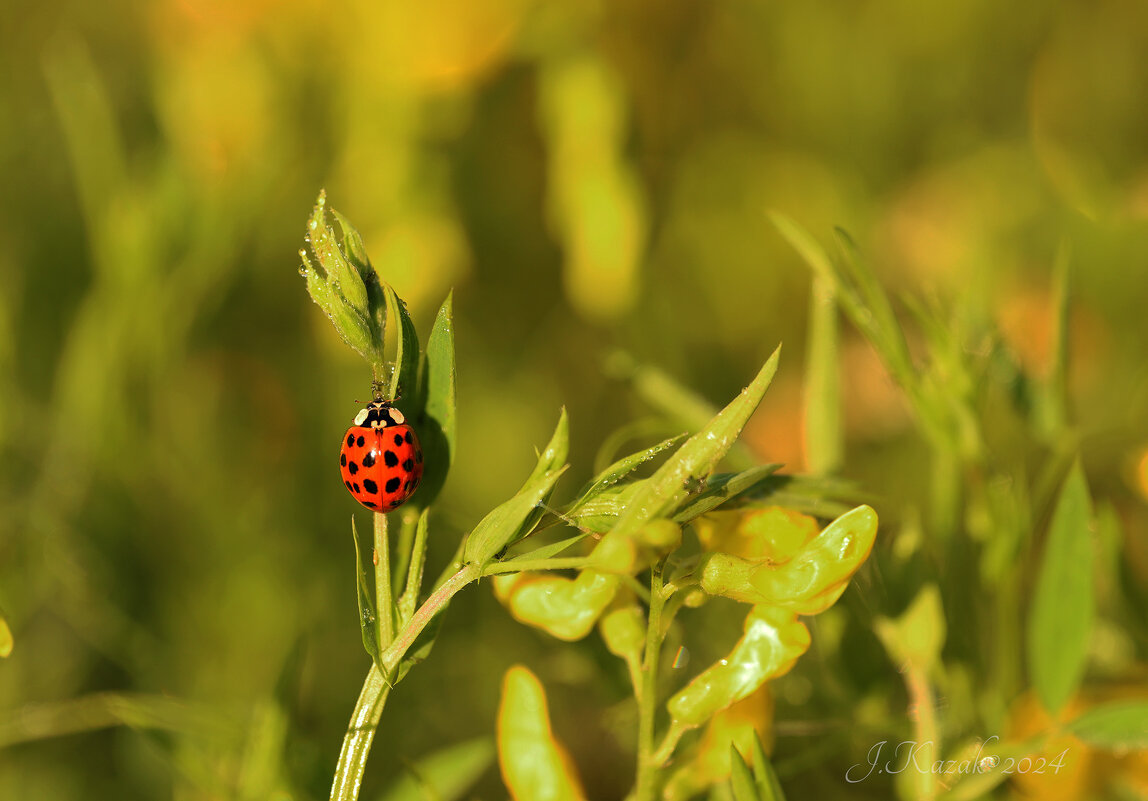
(397, 417)
(361, 416)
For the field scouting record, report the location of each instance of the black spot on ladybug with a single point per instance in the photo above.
(408, 465)
(392, 485)
(356, 487)
(348, 483)
(419, 456)
(407, 436)
(343, 459)
(370, 486)
(350, 440)
(369, 459)
(360, 442)
(371, 504)
(398, 439)
(407, 485)
(352, 468)
(390, 458)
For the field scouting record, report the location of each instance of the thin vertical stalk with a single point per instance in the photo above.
(376, 687)
(384, 598)
(645, 785)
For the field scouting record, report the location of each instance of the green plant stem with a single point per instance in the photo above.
(924, 729)
(666, 750)
(360, 734)
(384, 598)
(645, 786)
(376, 687)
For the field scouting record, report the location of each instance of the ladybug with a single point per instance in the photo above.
(381, 460)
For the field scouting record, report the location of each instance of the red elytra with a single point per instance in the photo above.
(380, 460)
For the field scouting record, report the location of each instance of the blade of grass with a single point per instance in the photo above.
(404, 381)
(367, 617)
(822, 401)
(768, 785)
(1060, 618)
(408, 601)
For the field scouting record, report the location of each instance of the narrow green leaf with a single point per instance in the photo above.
(404, 381)
(672, 483)
(867, 305)
(822, 401)
(623, 467)
(554, 454)
(1053, 404)
(1060, 618)
(6, 641)
(814, 496)
(548, 550)
(1116, 726)
(741, 780)
(807, 247)
(506, 523)
(660, 390)
(445, 775)
(721, 488)
(420, 649)
(768, 785)
(29, 722)
(368, 620)
(261, 768)
(92, 137)
(437, 401)
(887, 332)
(409, 599)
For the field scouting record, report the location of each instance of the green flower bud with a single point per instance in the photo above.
(342, 282)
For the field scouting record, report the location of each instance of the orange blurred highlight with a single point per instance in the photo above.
(774, 432)
(434, 46)
(1086, 772)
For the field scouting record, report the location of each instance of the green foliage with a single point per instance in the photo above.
(446, 774)
(175, 578)
(1116, 726)
(760, 785)
(342, 282)
(1063, 601)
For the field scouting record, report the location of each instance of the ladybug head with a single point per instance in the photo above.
(379, 414)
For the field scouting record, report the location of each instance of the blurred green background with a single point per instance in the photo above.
(591, 179)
